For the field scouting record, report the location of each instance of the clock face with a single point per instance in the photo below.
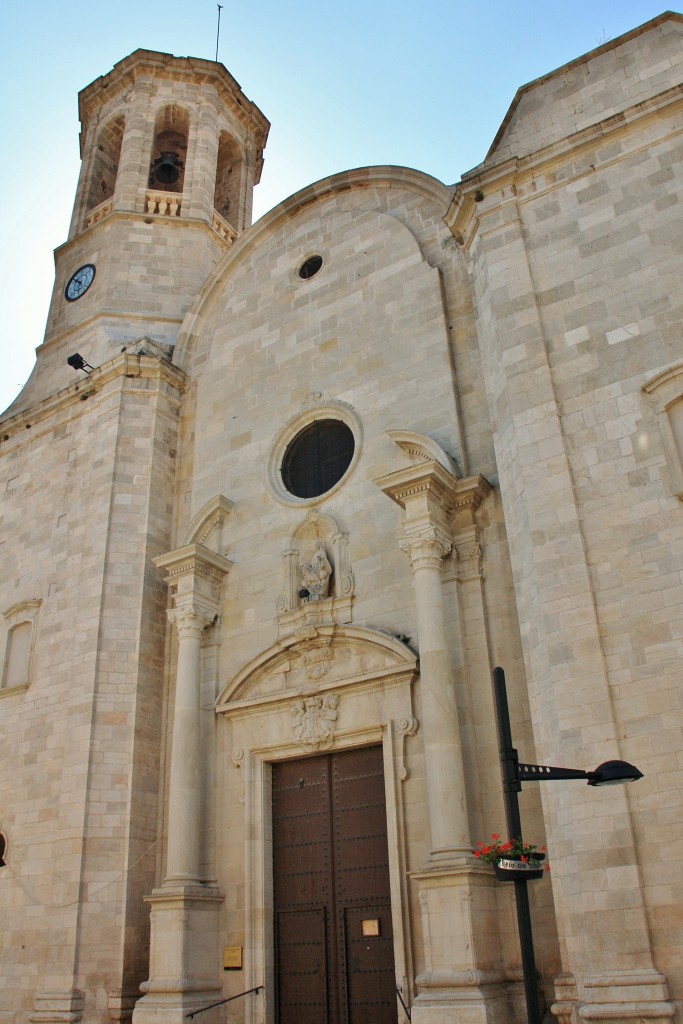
(79, 282)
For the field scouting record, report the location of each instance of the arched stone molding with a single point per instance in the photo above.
(277, 712)
(420, 448)
(365, 178)
(208, 524)
(328, 529)
(353, 655)
(666, 397)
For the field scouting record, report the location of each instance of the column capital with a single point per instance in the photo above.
(435, 500)
(425, 548)
(196, 574)
(191, 619)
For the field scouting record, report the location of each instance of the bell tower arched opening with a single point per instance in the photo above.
(169, 151)
(229, 170)
(106, 164)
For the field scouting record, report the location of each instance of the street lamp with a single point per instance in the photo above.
(610, 773)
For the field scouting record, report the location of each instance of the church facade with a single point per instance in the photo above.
(277, 498)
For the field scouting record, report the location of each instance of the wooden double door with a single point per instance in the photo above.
(333, 937)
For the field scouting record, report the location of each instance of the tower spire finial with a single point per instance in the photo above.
(218, 30)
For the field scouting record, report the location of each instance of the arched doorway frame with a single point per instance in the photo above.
(364, 680)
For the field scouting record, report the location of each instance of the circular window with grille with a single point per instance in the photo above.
(317, 458)
(314, 454)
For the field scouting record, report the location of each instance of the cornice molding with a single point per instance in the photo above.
(518, 179)
(193, 560)
(459, 497)
(126, 366)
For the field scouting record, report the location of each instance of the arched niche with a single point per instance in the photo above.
(229, 170)
(319, 531)
(106, 164)
(18, 642)
(169, 151)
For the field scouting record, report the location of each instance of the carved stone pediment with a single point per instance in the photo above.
(317, 658)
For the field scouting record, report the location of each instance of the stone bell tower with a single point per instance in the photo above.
(171, 150)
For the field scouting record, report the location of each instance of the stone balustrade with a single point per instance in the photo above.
(224, 229)
(98, 213)
(165, 204)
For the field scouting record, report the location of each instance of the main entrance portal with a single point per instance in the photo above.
(333, 935)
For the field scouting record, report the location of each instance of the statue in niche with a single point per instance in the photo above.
(315, 575)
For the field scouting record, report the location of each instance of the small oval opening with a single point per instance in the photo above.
(310, 267)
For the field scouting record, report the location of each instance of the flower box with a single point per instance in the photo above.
(509, 870)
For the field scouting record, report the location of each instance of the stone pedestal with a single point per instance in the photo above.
(184, 956)
(463, 981)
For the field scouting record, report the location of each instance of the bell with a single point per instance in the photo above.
(166, 168)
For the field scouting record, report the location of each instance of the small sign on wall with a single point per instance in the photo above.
(232, 958)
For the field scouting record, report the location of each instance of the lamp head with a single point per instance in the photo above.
(614, 773)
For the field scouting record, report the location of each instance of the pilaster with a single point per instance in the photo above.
(596, 881)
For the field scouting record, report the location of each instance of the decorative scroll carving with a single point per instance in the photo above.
(405, 727)
(313, 720)
(238, 762)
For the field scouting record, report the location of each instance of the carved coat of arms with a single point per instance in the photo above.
(313, 720)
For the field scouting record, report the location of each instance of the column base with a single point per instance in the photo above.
(617, 997)
(57, 1007)
(184, 955)
(465, 997)
(121, 1003)
(463, 981)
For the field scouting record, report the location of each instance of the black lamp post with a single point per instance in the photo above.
(611, 773)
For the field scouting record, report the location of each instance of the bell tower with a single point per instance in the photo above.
(171, 149)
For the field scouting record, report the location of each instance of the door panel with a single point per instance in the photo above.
(302, 989)
(370, 966)
(330, 875)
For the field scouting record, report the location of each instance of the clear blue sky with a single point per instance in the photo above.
(344, 84)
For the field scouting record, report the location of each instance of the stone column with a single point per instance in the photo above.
(184, 912)
(185, 789)
(428, 491)
(461, 976)
(443, 753)
(196, 573)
